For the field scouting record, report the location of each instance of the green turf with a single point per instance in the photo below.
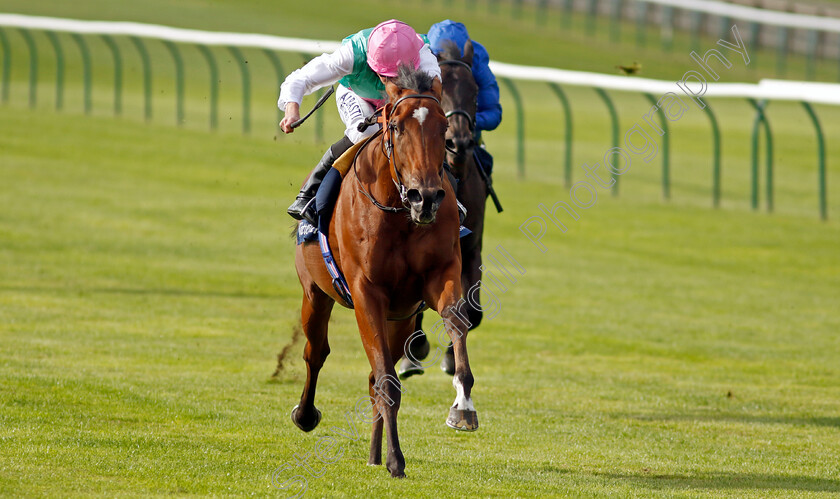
(147, 285)
(658, 349)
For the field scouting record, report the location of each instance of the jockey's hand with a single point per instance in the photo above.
(292, 114)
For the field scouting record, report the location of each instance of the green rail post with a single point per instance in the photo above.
(278, 71)
(59, 69)
(115, 53)
(781, 51)
(641, 24)
(179, 81)
(696, 24)
(591, 16)
(7, 65)
(567, 114)
(147, 75)
(517, 9)
(86, 71)
(214, 85)
(520, 127)
(716, 155)
(541, 11)
(811, 64)
(761, 120)
(33, 66)
(666, 32)
(821, 170)
(666, 148)
(568, 13)
(615, 20)
(755, 38)
(246, 88)
(725, 27)
(615, 132)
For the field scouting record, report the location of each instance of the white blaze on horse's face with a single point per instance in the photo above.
(420, 114)
(462, 403)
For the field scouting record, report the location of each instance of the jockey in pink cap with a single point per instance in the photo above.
(360, 66)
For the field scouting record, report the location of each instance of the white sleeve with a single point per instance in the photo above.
(428, 62)
(321, 71)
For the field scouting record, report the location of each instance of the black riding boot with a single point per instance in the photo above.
(304, 205)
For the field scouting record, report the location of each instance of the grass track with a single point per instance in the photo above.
(657, 349)
(147, 285)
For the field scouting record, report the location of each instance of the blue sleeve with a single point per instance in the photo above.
(489, 111)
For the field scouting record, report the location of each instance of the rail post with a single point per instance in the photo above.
(821, 170)
(7, 65)
(33, 66)
(115, 53)
(567, 115)
(86, 71)
(179, 81)
(214, 85)
(147, 76)
(666, 148)
(59, 69)
(246, 88)
(615, 132)
(520, 127)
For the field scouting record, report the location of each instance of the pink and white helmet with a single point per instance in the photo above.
(392, 43)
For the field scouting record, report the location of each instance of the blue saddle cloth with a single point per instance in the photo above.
(306, 232)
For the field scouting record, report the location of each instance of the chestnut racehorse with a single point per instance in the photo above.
(394, 234)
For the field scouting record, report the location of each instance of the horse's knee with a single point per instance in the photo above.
(316, 355)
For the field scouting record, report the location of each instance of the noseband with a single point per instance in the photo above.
(388, 145)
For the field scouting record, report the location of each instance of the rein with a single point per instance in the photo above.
(388, 145)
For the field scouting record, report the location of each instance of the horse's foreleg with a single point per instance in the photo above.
(446, 291)
(315, 316)
(371, 306)
(375, 458)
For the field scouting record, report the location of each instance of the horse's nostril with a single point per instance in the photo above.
(450, 144)
(439, 195)
(414, 196)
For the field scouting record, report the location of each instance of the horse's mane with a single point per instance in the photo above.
(414, 79)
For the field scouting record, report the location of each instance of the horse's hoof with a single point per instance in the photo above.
(302, 425)
(408, 368)
(399, 474)
(462, 420)
(447, 364)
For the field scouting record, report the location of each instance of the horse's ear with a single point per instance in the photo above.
(468, 52)
(392, 89)
(437, 88)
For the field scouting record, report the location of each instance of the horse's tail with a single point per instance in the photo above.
(293, 229)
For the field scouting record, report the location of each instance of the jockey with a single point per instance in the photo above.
(488, 112)
(361, 65)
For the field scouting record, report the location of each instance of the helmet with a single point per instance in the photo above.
(392, 43)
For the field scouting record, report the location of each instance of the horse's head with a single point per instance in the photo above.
(414, 139)
(459, 100)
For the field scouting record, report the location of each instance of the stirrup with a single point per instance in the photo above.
(462, 211)
(309, 213)
(297, 213)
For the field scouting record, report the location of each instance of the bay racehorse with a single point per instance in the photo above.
(394, 234)
(459, 95)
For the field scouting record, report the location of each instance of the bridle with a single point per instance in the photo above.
(387, 132)
(460, 112)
